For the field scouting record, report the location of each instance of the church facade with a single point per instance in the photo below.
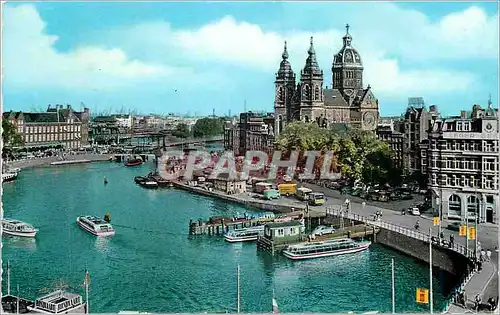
(347, 101)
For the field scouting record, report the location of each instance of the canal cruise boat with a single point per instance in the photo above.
(95, 226)
(245, 234)
(325, 248)
(8, 177)
(18, 228)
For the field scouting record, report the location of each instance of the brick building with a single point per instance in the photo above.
(389, 132)
(56, 126)
(347, 101)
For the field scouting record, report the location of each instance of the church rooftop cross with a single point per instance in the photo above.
(347, 28)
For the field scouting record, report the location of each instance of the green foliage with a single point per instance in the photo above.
(181, 131)
(360, 155)
(10, 136)
(208, 127)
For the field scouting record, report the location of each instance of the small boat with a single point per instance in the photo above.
(149, 184)
(8, 177)
(95, 226)
(140, 179)
(324, 249)
(18, 228)
(244, 235)
(133, 162)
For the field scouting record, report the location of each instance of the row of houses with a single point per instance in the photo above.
(456, 156)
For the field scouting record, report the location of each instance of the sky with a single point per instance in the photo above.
(196, 57)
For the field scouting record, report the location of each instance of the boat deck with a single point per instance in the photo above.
(9, 305)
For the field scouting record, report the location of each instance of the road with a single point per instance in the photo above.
(391, 212)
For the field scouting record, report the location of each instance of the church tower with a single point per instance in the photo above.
(284, 91)
(347, 70)
(311, 88)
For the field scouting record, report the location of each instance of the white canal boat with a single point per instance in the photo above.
(245, 234)
(8, 177)
(95, 226)
(18, 228)
(324, 249)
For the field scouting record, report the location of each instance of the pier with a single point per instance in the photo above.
(220, 226)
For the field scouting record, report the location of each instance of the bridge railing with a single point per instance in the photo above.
(398, 229)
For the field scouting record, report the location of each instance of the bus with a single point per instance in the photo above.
(287, 189)
(303, 193)
(316, 199)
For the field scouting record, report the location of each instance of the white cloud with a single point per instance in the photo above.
(455, 36)
(30, 59)
(389, 39)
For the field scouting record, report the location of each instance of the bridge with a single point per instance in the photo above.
(194, 141)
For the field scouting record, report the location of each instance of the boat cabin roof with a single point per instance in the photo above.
(95, 220)
(14, 222)
(278, 225)
(323, 243)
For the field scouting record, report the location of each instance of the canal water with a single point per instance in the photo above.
(152, 265)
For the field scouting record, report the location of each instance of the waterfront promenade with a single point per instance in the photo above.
(45, 161)
(484, 283)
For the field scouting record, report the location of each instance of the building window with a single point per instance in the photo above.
(459, 126)
(455, 205)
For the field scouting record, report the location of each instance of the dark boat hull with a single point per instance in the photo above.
(130, 164)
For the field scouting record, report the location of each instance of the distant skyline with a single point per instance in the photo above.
(191, 57)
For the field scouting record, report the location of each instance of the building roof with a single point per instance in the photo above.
(276, 225)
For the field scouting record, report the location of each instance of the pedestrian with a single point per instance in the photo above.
(482, 256)
(488, 254)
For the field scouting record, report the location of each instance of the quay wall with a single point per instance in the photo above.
(263, 205)
(443, 258)
(45, 161)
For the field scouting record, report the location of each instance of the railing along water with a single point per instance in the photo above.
(399, 229)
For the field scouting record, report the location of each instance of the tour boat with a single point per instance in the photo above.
(245, 234)
(95, 225)
(324, 249)
(8, 177)
(18, 228)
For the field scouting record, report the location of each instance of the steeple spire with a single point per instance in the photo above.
(347, 37)
(285, 53)
(311, 50)
(311, 62)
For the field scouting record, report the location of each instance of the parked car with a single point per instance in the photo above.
(455, 226)
(322, 230)
(415, 211)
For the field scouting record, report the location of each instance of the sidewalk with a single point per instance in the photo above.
(476, 285)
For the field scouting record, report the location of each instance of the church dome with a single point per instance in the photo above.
(347, 57)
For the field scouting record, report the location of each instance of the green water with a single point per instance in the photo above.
(156, 267)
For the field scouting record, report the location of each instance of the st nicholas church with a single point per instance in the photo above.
(347, 101)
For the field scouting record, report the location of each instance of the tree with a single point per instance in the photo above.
(359, 155)
(181, 131)
(10, 136)
(208, 127)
